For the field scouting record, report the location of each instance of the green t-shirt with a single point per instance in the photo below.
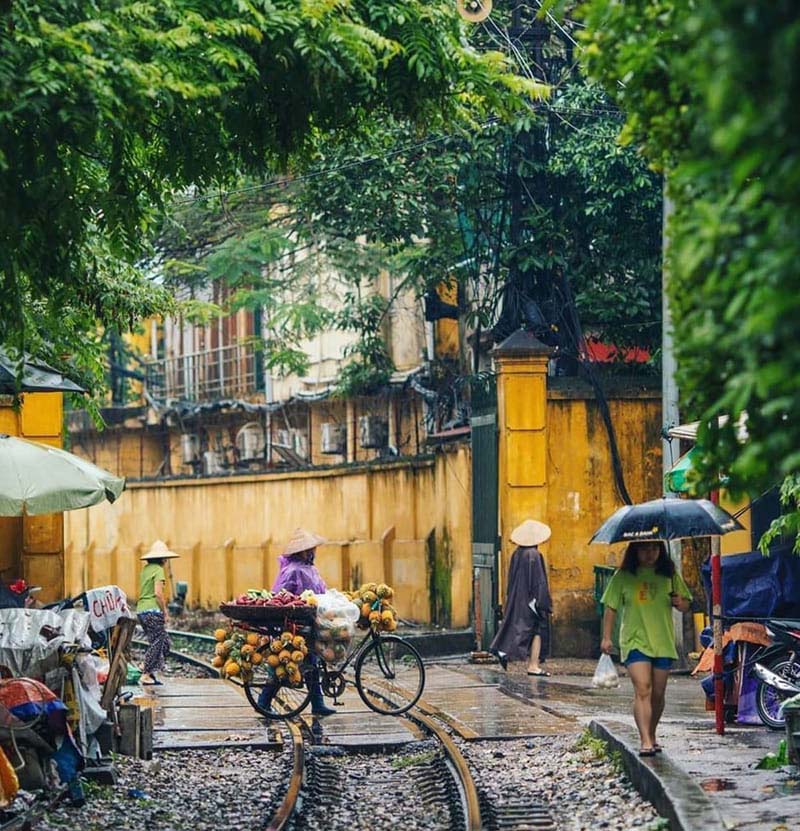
(150, 575)
(643, 600)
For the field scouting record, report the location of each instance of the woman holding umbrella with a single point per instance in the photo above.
(645, 590)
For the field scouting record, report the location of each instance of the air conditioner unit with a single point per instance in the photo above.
(190, 448)
(212, 462)
(373, 431)
(250, 441)
(334, 439)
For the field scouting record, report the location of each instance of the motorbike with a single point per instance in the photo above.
(778, 671)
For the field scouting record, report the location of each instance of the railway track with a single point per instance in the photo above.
(439, 773)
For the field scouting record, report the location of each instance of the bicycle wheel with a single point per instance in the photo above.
(390, 675)
(277, 702)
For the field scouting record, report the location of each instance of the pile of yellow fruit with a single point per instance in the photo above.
(236, 653)
(376, 610)
(284, 658)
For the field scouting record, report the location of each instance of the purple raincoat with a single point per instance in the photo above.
(296, 576)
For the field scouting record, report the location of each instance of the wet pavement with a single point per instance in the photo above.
(723, 767)
(355, 726)
(483, 709)
(482, 703)
(206, 712)
(193, 713)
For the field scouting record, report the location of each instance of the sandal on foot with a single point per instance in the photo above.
(542, 673)
(658, 748)
(647, 751)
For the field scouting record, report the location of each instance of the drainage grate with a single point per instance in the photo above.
(516, 815)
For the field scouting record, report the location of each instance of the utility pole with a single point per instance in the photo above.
(528, 152)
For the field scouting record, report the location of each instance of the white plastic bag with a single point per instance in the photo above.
(605, 673)
(334, 605)
(336, 626)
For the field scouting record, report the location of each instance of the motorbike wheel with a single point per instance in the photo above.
(769, 700)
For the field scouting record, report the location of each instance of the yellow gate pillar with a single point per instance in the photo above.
(521, 362)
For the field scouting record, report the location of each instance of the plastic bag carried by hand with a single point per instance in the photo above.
(605, 673)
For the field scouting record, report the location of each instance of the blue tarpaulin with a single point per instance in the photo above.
(757, 586)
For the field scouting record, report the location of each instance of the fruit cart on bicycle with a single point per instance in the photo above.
(276, 649)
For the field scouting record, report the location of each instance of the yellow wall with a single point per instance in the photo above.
(555, 466)
(737, 541)
(32, 547)
(229, 532)
(581, 495)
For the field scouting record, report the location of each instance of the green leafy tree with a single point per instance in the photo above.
(710, 91)
(109, 106)
(434, 210)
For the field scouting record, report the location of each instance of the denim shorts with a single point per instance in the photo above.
(635, 656)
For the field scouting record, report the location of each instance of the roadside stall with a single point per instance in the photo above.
(49, 652)
(754, 591)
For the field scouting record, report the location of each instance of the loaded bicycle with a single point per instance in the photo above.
(388, 671)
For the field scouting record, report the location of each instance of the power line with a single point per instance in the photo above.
(357, 162)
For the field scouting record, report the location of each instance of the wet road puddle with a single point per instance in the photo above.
(717, 784)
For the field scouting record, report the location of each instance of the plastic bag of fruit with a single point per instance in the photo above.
(333, 605)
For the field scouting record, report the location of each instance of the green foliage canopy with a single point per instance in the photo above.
(711, 94)
(378, 202)
(107, 105)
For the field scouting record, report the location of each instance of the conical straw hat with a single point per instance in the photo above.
(530, 533)
(159, 551)
(302, 540)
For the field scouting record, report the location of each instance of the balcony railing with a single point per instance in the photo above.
(226, 372)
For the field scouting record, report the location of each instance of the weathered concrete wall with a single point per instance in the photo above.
(32, 547)
(581, 494)
(406, 522)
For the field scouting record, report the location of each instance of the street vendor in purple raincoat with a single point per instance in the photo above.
(297, 573)
(524, 633)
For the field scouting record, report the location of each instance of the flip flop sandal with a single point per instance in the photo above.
(647, 751)
(658, 748)
(541, 674)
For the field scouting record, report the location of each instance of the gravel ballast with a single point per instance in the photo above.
(369, 790)
(576, 780)
(194, 790)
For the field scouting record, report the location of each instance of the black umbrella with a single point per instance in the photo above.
(666, 519)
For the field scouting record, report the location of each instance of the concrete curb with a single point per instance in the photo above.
(675, 795)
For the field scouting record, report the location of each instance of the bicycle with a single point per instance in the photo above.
(388, 674)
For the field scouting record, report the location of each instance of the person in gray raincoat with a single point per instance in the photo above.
(524, 633)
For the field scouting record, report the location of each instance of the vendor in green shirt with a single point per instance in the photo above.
(151, 610)
(645, 590)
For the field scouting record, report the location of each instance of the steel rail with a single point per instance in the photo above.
(288, 805)
(464, 780)
(458, 764)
